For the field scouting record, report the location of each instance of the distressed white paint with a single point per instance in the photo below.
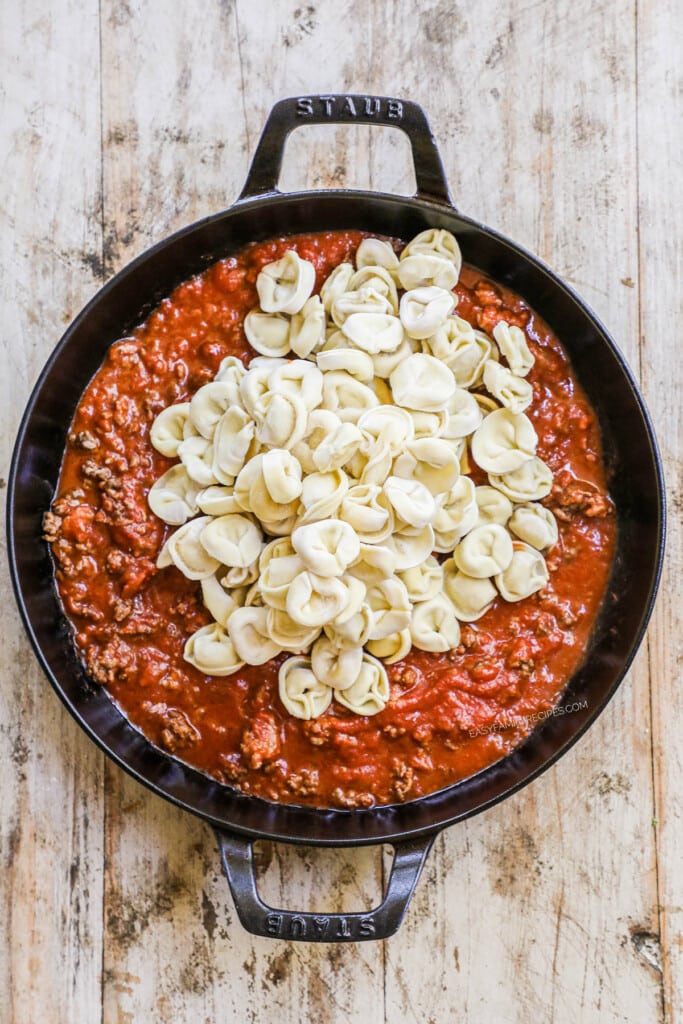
(557, 124)
(51, 807)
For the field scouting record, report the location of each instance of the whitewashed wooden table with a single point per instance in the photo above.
(560, 124)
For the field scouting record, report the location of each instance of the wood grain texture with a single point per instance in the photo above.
(660, 269)
(51, 781)
(167, 163)
(557, 125)
(557, 170)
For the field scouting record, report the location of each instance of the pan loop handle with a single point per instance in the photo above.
(237, 856)
(409, 117)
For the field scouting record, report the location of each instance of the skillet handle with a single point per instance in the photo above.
(297, 111)
(237, 856)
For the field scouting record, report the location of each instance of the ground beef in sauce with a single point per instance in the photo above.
(450, 714)
(178, 732)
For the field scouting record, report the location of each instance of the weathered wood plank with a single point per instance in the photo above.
(529, 910)
(175, 148)
(50, 245)
(313, 48)
(660, 160)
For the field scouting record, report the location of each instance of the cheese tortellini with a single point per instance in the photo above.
(173, 497)
(464, 350)
(369, 692)
(424, 310)
(373, 252)
(513, 392)
(485, 551)
(423, 582)
(367, 509)
(212, 651)
(411, 500)
(436, 242)
(268, 333)
(337, 666)
(531, 481)
(534, 524)
(167, 431)
(470, 597)
(526, 573)
(319, 485)
(391, 648)
(504, 442)
(307, 331)
(248, 629)
(284, 286)
(232, 540)
(301, 692)
(422, 382)
(209, 403)
(434, 626)
(185, 550)
(424, 269)
(513, 345)
(493, 506)
(326, 547)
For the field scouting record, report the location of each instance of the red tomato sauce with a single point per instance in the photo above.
(450, 714)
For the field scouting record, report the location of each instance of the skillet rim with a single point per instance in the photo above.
(383, 829)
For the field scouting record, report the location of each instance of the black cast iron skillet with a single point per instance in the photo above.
(636, 487)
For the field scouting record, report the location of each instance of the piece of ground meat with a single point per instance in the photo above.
(52, 525)
(476, 640)
(423, 733)
(394, 731)
(122, 609)
(404, 779)
(405, 676)
(546, 624)
(63, 551)
(469, 637)
(422, 761)
(178, 731)
(565, 615)
(84, 567)
(116, 561)
(232, 770)
(79, 603)
(77, 526)
(351, 798)
(152, 407)
(304, 783)
(261, 740)
(318, 731)
(487, 294)
(135, 575)
(172, 680)
(547, 627)
(143, 624)
(125, 353)
(130, 534)
(521, 655)
(578, 497)
(85, 440)
(103, 478)
(68, 501)
(109, 663)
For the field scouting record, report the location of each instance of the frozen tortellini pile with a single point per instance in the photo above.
(315, 487)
